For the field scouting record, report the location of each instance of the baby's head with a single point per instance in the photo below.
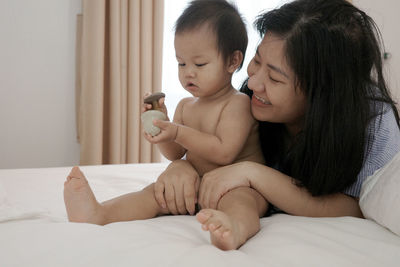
(222, 18)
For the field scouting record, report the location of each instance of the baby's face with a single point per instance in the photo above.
(202, 70)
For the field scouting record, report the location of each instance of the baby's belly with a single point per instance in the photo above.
(255, 156)
(201, 165)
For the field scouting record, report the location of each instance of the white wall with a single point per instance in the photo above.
(37, 61)
(386, 15)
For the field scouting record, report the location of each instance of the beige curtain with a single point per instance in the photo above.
(119, 50)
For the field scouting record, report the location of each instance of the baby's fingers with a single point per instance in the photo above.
(161, 124)
(149, 138)
(146, 107)
(161, 101)
(146, 95)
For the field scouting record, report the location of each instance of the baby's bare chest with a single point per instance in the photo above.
(204, 118)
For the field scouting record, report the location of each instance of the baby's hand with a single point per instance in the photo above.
(160, 104)
(169, 131)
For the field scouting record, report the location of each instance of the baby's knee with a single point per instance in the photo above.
(149, 188)
(245, 192)
(249, 195)
(149, 191)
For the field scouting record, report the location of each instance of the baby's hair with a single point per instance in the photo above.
(223, 19)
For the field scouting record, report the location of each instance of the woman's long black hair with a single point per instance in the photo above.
(334, 51)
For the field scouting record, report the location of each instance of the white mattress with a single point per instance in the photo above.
(34, 230)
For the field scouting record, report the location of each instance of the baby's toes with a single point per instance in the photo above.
(220, 231)
(213, 224)
(204, 216)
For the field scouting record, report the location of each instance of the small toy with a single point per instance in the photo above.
(155, 113)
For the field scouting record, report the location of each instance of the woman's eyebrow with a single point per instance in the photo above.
(275, 68)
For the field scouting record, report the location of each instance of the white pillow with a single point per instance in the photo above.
(380, 196)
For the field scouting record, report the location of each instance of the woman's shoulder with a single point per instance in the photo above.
(384, 127)
(384, 143)
(384, 137)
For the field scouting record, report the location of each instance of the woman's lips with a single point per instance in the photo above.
(260, 101)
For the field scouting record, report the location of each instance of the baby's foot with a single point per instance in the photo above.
(225, 232)
(80, 201)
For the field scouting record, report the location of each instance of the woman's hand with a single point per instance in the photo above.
(218, 182)
(177, 188)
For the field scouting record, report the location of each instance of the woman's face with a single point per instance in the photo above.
(275, 97)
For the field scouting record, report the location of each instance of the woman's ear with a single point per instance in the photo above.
(235, 61)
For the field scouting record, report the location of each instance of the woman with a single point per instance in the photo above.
(327, 120)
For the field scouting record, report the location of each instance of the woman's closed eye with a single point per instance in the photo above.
(273, 80)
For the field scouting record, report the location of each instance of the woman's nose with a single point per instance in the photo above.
(255, 82)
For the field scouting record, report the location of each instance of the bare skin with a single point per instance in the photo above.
(236, 219)
(231, 225)
(80, 202)
(82, 206)
(217, 118)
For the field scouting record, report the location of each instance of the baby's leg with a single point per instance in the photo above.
(236, 220)
(82, 206)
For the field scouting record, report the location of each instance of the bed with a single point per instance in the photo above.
(34, 230)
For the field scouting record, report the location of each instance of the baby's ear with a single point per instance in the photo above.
(235, 61)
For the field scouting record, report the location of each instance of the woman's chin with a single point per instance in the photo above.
(261, 113)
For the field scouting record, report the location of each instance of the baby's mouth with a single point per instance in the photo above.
(262, 100)
(191, 85)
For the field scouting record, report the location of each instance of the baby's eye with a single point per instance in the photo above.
(201, 65)
(181, 64)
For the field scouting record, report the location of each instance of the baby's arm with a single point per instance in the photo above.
(232, 131)
(165, 140)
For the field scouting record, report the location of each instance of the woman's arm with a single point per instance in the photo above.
(277, 188)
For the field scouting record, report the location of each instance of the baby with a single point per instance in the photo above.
(212, 128)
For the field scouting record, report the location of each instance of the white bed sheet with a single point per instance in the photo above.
(34, 230)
